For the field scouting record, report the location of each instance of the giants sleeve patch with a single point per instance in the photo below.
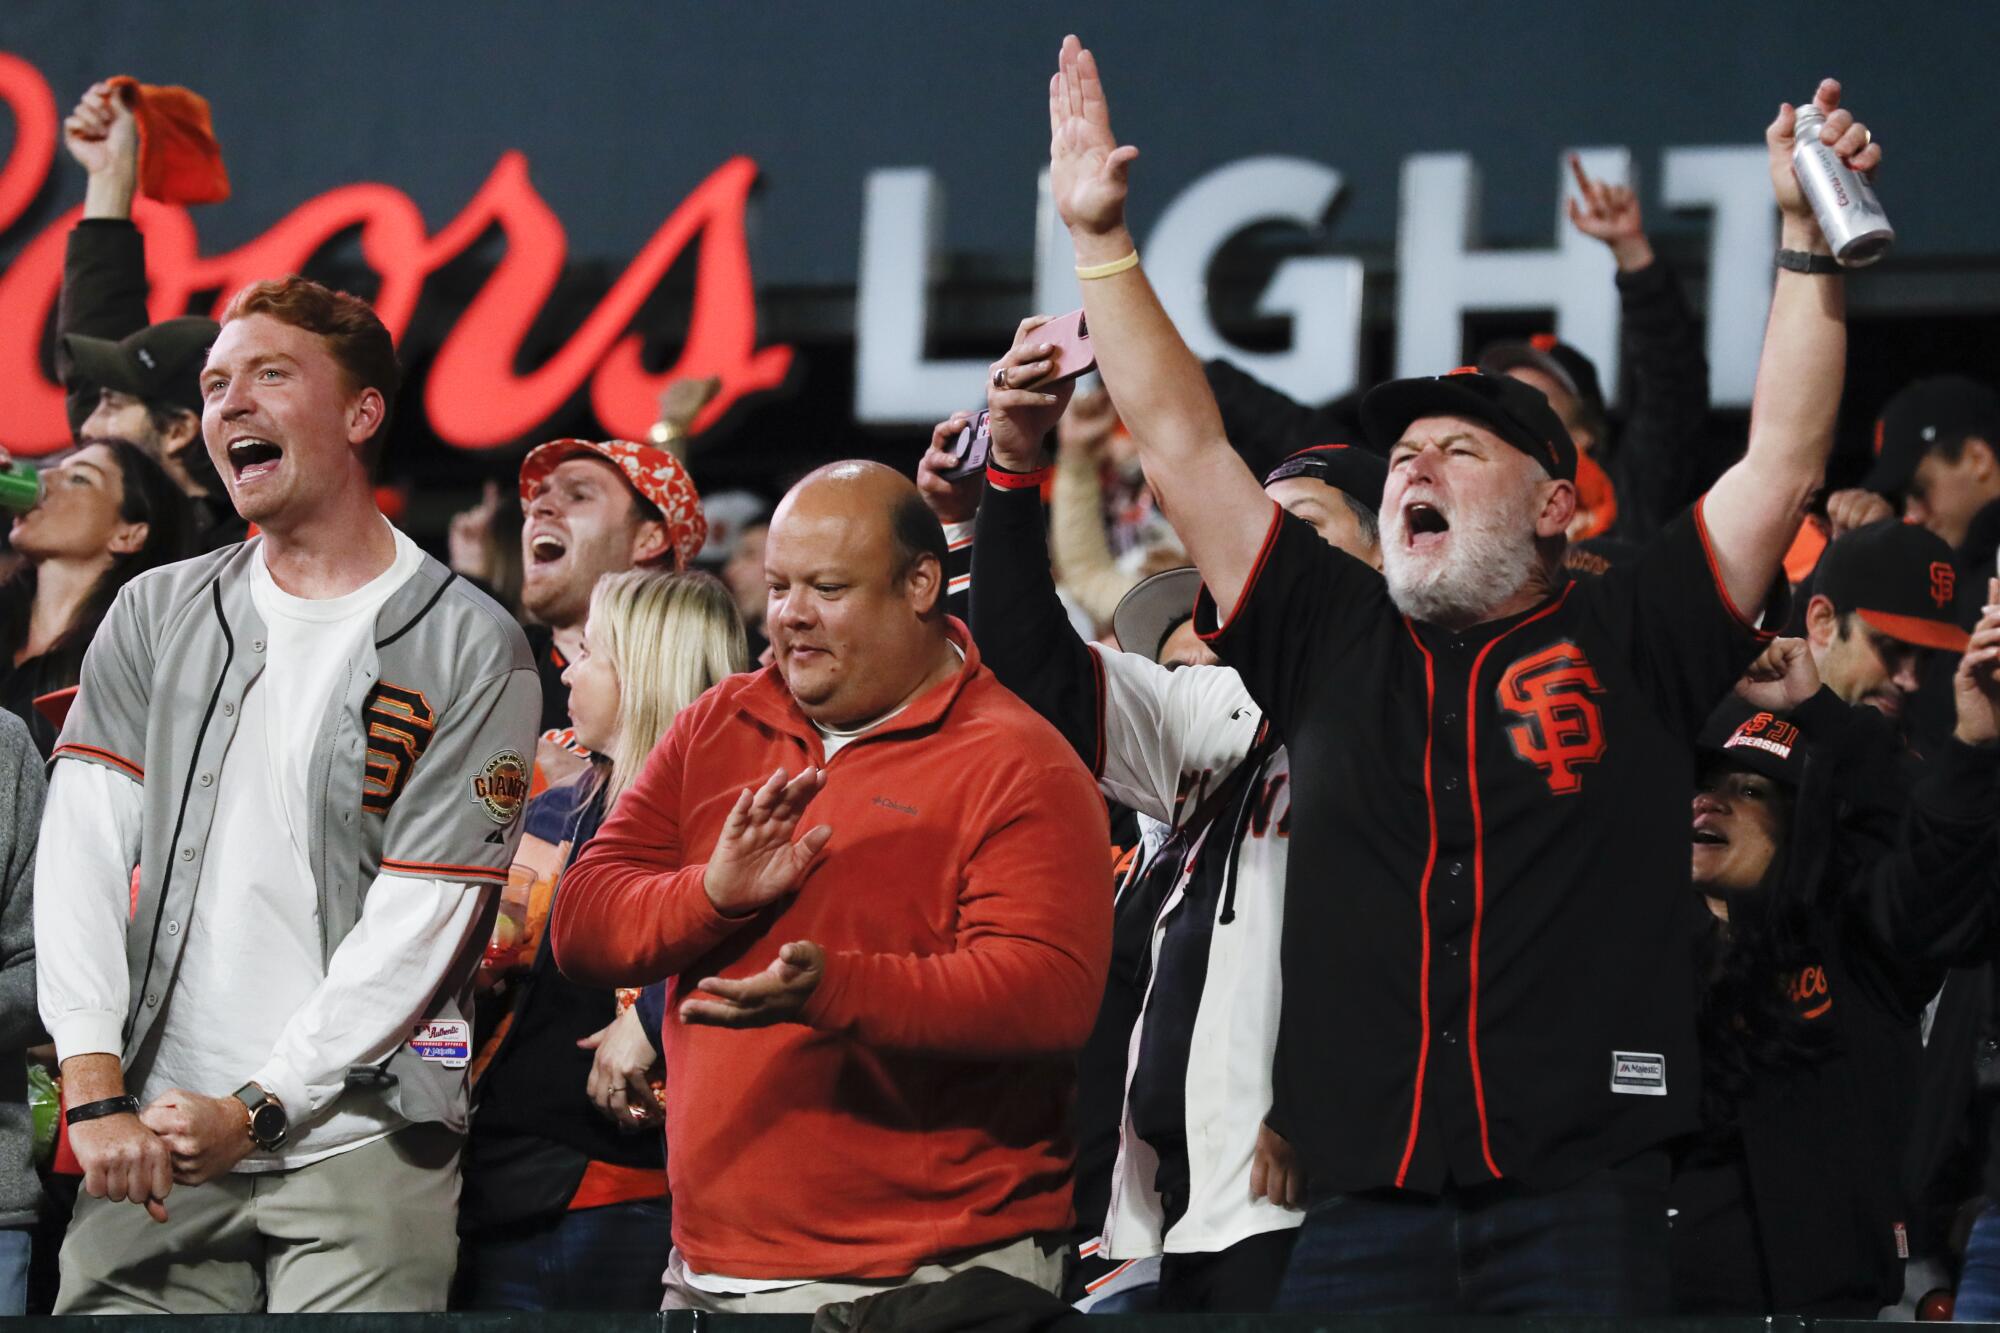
(501, 786)
(401, 723)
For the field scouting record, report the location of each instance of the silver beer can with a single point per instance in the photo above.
(1850, 216)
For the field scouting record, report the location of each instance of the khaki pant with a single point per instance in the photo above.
(375, 1228)
(1028, 1258)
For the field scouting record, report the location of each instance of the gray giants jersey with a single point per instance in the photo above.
(419, 767)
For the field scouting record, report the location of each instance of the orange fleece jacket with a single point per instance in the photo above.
(964, 903)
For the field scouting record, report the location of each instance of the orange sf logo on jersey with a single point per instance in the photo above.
(1560, 727)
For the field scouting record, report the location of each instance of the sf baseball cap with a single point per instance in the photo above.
(160, 364)
(1518, 413)
(1762, 741)
(1345, 467)
(1899, 579)
(657, 476)
(1575, 372)
(1155, 608)
(1940, 412)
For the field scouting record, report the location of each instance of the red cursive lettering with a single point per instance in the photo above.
(475, 397)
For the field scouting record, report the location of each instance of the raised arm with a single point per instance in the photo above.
(1753, 511)
(1207, 492)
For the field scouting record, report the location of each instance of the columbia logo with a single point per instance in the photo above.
(897, 806)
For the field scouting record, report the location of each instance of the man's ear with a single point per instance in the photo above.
(182, 430)
(1978, 455)
(925, 585)
(1822, 622)
(365, 416)
(1558, 508)
(650, 542)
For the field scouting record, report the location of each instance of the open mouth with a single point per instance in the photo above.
(1704, 837)
(251, 458)
(1424, 523)
(546, 549)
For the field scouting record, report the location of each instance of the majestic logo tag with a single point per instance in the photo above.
(401, 723)
(1944, 581)
(1639, 1073)
(502, 786)
(1560, 727)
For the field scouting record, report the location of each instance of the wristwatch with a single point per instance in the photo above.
(269, 1126)
(1804, 261)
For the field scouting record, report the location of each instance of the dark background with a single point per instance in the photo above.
(621, 108)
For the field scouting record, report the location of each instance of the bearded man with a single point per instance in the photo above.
(1487, 1034)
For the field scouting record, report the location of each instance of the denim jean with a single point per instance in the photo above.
(16, 1243)
(1598, 1247)
(1979, 1280)
(608, 1258)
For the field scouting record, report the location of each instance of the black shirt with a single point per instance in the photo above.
(1487, 970)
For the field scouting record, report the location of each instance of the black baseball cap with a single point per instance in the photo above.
(160, 364)
(1935, 413)
(1545, 352)
(1899, 579)
(1773, 744)
(1518, 413)
(1345, 467)
(1155, 608)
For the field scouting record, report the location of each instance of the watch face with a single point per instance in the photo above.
(267, 1124)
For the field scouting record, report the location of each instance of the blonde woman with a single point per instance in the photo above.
(564, 1201)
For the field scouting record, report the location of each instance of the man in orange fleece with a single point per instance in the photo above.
(870, 1056)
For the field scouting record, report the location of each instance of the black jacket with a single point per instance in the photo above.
(1823, 1137)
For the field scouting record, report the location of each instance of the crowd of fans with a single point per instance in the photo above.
(1229, 854)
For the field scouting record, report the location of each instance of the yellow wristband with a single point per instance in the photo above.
(1090, 271)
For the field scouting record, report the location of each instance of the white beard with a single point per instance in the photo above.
(1487, 558)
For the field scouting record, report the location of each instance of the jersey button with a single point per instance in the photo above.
(1456, 867)
(1449, 1036)
(1451, 949)
(207, 779)
(187, 853)
(1451, 783)
(229, 710)
(256, 645)
(152, 1001)
(173, 927)
(1451, 719)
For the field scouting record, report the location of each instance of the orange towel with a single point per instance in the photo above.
(179, 160)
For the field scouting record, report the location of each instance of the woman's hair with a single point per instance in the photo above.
(152, 498)
(1746, 1018)
(669, 637)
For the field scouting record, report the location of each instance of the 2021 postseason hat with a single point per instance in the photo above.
(1517, 412)
(1899, 579)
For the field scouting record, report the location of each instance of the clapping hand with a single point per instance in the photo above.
(776, 995)
(756, 861)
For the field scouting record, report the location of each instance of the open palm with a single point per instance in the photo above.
(756, 860)
(1086, 164)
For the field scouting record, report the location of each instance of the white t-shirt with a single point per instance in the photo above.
(253, 954)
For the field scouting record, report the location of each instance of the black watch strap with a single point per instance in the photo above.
(126, 1105)
(1804, 261)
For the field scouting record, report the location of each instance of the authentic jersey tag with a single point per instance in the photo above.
(1638, 1073)
(1902, 1241)
(447, 1042)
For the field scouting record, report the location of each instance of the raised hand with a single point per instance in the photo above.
(681, 401)
(1610, 213)
(102, 135)
(1975, 686)
(775, 995)
(1086, 164)
(1021, 417)
(952, 501)
(1849, 138)
(756, 862)
(469, 539)
(1783, 677)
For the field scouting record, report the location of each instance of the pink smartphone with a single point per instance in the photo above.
(1073, 356)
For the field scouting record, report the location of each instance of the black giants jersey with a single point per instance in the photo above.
(1488, 943)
